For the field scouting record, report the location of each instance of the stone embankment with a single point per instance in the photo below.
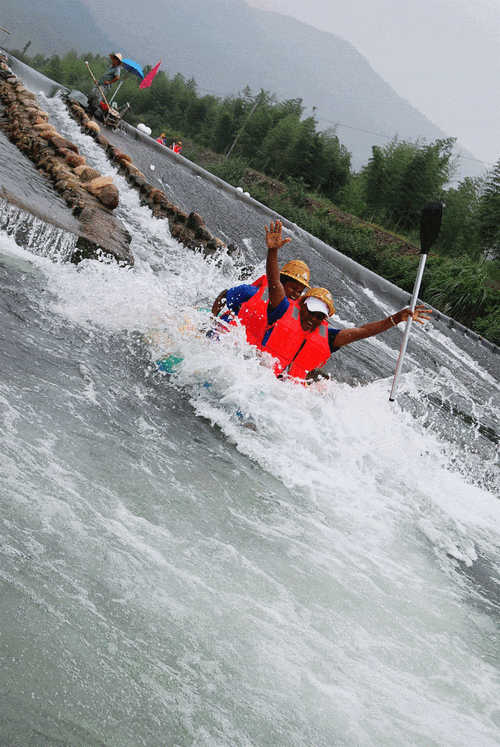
(188, 229)
(90, 196)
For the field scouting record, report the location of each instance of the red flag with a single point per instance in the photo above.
(149, 77)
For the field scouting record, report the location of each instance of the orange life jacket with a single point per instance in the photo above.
(297, 352)
(253, 313)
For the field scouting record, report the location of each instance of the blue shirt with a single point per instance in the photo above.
(274, 314)
(110, 74)
(238, 295)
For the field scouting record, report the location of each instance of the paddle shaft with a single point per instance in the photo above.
(430, 224)
(402, 351)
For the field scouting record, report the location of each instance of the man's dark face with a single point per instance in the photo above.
(293, 288)
(310, 320)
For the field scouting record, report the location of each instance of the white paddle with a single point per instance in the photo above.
(430, 223)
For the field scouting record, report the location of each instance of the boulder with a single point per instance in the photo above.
(134, 171)
(86, 173)
(41, 118)
(109, 196)
(73, 159)
(44, 129)
(60, 143)
(98, 183)
(105, 191)
(194, 220)
(120, 156)
(92, 126)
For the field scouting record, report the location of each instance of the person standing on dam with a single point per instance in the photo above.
(111, 76)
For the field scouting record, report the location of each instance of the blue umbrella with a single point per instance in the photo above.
(133, 67)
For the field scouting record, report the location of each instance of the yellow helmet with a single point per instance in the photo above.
(324, 295)
(297, 270)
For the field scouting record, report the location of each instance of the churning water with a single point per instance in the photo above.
(170, 577)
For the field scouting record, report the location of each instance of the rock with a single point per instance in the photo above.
(183, 234)
(215, 245)
(78, 208)
(194, 220)
(188, 229)
(96, 184)
(86, 173)
(43, 127)
(93, 127)
(154, 194)
(133, 171)
(123, 157)
(61, 143)
(60, 171)
(138, 182)
(28, 98)
(179, 216)
(41, 119)
(73, 159)
(105, 191)
(203, 233)
(109, 196)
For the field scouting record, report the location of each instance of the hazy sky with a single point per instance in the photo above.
(443, 56)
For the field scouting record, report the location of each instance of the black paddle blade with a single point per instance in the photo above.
(430, 223)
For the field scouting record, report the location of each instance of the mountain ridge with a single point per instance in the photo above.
(226, 45)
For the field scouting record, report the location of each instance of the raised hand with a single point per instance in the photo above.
(274, 239)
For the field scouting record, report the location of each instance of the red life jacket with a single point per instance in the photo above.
(297, 352)
(253, 313)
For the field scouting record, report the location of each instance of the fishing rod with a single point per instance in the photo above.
(97, 84)
(430, 224)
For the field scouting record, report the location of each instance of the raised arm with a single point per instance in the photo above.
(346, 336)
(274, 241)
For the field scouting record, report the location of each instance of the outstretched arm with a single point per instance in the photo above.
(346, 336)
(274, 241)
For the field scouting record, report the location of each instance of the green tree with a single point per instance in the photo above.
(277, 148)
(224, 132)
(489, 214)
(459, 233)
(402, 176)
(423, 179)
(333, 168)
(383, 175)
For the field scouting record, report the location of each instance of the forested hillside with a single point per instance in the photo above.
(269, 148)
